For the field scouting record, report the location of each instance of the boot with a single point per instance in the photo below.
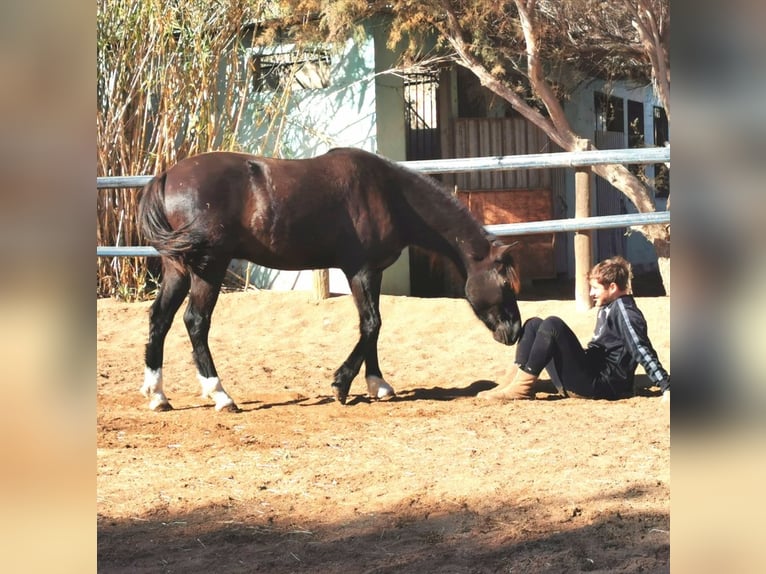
(504, 384)
(521, 388)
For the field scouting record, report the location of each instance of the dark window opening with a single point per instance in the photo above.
(610, 113)
(635, 124)
(421, 108)
(661, 138)
(636, 133)
(291, 69)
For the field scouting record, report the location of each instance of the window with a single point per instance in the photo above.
(610, 113)
(661, 137)
(291, 68)
(421, 112)
(635, 124)
(636, 133)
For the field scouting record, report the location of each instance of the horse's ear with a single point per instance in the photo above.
(502, 252)
(505, 265)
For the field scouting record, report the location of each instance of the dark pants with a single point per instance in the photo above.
(550, 344)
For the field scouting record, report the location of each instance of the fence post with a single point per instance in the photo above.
(321, 279)
(582, 239)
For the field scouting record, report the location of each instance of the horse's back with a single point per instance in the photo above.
(328, 211)
(224, 171)
(211, 168)
(211, 189)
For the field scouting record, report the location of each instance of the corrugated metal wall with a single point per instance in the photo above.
(609, 201)
(517, 195)
(482, 137)
(527, 195)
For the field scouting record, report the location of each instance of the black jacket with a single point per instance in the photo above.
(619, 344)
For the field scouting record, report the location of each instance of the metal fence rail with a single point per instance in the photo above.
(530, 227)
(507, 162)
(543, 160)
(531, 161)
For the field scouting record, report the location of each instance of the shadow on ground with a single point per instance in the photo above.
(408, 539)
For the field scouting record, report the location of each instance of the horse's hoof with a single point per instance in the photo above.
(161, 407)
(377, 388)
(340, 395)
(230, 408)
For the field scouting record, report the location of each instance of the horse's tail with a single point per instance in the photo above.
(179, 245)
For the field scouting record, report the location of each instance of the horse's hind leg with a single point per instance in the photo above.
(203, 296)
(365, 288)
(173, 289)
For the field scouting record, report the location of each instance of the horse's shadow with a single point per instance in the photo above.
(298, 401)
(642, 388)
(416, 394)
(428, 394)
(443, 393)
(258, 405)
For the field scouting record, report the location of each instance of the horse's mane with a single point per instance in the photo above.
(441, 223)
(443, 212)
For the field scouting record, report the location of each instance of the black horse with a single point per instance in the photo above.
(346, 209)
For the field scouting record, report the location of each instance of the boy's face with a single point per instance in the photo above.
(603, 294)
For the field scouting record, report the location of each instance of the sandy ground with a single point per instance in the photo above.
(434, 480)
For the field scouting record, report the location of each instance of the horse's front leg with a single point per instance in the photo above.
(365, 288)
(202, 300)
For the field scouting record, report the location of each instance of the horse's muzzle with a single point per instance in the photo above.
(507, 333)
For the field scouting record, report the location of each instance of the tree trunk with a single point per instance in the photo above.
(658, 235)
(321, 284)
(555, 124)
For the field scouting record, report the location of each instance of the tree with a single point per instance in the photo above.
(622, 39)
(525, 52)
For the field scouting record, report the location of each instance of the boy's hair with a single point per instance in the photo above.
(616, 270)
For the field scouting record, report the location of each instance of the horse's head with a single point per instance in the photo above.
(491, 290)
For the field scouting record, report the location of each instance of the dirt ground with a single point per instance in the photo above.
(434, 480)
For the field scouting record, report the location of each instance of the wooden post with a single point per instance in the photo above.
(582, 239)
(321, 284)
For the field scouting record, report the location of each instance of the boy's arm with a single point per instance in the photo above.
(638, 344)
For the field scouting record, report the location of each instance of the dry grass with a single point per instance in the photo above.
(173, 81)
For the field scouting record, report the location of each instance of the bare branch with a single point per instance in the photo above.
(455, 35)
(537, 78)
(653, 44)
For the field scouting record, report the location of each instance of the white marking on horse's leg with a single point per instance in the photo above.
(213, 389)
(152, 390)
(378, 388)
